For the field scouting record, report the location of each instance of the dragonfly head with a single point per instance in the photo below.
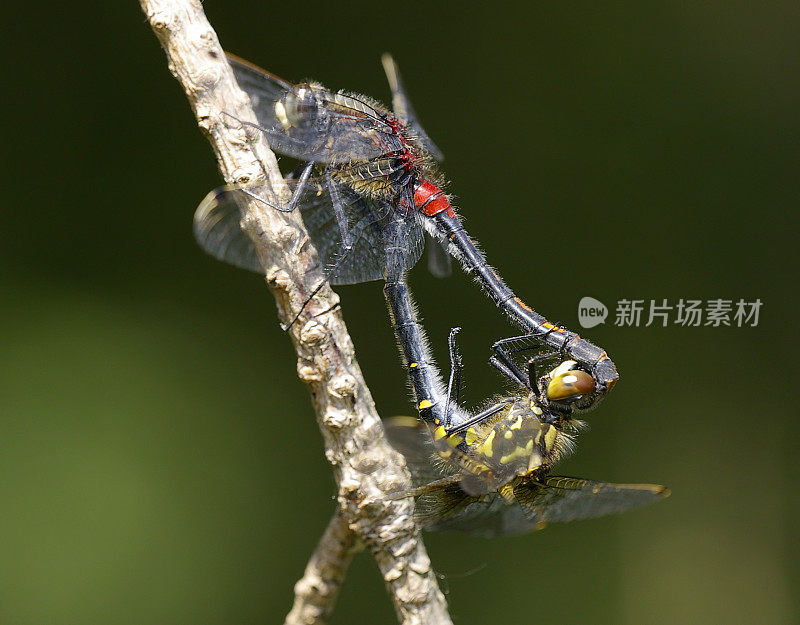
(297, 108)
(567, 387)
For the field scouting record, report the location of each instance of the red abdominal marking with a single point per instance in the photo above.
(431, 200)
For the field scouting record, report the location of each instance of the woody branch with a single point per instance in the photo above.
(366, 468)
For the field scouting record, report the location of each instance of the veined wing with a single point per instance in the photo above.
(451, 509)
(311, 123)
(439, 263)
(217, 221)
(526, 504)
(217, 230)
(533, 505)
(410, 437)
(557, 499)
(403, 108)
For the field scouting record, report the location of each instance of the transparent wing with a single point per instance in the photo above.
(410, 437)
(217, 230)
(534, 504)
(310, 123)
(443, 505)
(367, 221)
(559, 499)
(451, 509)
(439, 263)
(403, 108)
(217, 221)
(367, 259)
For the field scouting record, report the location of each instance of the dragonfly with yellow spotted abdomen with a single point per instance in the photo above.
(489, 472)
(527, 502)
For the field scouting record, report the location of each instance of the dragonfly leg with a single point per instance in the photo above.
(454, 384)
(338, 209)
(502, 361)
(511, 374)
(258, 198)
(296, 194)
(331, 270)
(532, 340)
(298, 190)
(484, 414)
(454, 388)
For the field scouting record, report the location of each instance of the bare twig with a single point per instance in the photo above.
(365, 466)
(315, 593)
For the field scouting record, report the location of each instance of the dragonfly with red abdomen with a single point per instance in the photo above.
(368, 190)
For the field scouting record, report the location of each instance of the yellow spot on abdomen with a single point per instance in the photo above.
(486, 447)
(523, 305)
(454, 440)
(519, 452)
(550, 438)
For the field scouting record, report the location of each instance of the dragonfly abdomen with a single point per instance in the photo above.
(431, 200)
(594, 358)
(413, 349)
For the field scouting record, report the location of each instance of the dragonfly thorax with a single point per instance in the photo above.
(522, 439)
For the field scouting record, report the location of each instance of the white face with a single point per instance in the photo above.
(280, 113)
(296, 109)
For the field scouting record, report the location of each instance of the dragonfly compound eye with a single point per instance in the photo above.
(570, 384)
(297, 109)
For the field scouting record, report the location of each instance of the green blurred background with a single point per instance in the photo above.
(159, 460)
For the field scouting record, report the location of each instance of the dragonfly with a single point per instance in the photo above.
(488, 472)
(368, 192)
(527, 502)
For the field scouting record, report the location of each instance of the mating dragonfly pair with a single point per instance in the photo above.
(368, 193)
